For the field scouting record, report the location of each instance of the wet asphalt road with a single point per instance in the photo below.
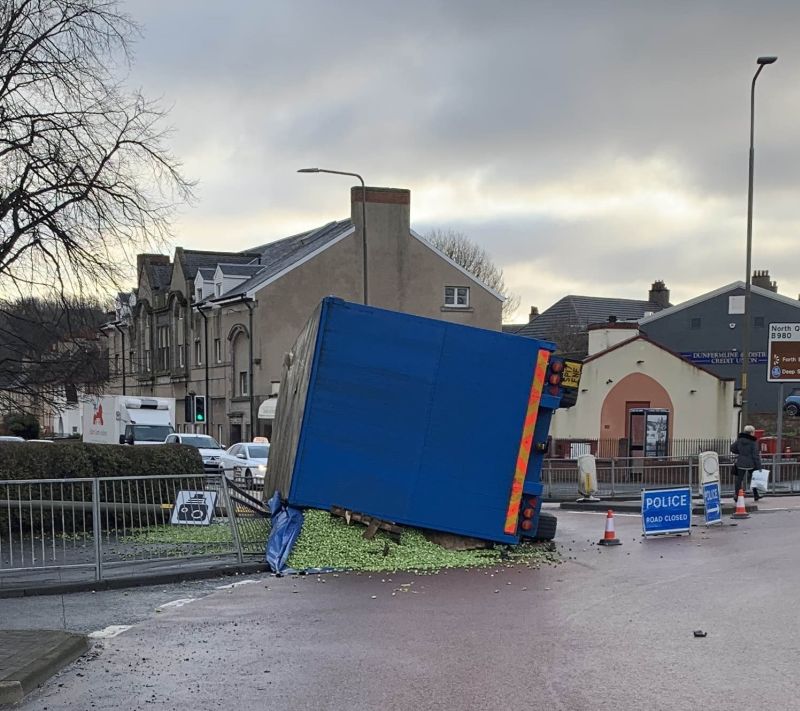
(606, 629)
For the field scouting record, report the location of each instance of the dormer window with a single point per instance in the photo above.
(198, 294)
(218, 289)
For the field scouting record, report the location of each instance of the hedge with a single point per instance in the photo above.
(73, 460)
(24, 460)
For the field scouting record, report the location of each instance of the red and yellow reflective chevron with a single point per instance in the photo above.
(512, 513)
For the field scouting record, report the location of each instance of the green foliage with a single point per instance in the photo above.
(74, 460)
(21, 425)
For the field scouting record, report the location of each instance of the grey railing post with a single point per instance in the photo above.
(97, 531)
(231, 511)
(613, 491)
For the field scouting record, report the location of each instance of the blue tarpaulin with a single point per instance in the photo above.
(287, 522)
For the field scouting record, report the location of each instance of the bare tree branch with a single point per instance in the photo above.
(86, 179)
(476, 260)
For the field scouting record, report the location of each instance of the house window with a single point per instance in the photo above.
(198, 294)
(116, 364)
(181, 356)
(759, 322)
(218, 289)
(131, 359)
(218, 349)
(163, 347)
(198, 352)
(148, 361)
(695, 323)
(243, 383)
(456, 296)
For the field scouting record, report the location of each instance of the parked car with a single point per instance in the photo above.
(246, 461)
(791, 404)
(210, 450)
(11, 438)
(41, 441)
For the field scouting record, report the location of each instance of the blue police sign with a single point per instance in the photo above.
(712, 502)
(666, 510)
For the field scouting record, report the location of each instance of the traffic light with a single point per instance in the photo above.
(199, 408)
(188, 408)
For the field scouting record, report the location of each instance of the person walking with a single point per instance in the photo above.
(748, 458)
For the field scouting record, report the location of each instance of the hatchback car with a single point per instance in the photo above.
(10, 438)
(791, 405)
(210, 450)
(247, 462)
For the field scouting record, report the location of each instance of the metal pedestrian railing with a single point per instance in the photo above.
(68, 530)
(625, 477)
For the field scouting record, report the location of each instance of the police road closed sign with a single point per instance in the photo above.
(712, 502)
(666, 510)
(783, 354)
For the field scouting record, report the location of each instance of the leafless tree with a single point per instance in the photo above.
(86, 180)
(476, 260)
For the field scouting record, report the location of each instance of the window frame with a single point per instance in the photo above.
(244, 385)
(456, 292)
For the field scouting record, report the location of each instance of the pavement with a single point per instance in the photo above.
(30, 657)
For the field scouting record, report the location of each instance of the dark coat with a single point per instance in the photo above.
(746, 450)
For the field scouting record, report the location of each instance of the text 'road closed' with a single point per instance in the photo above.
(666, 511)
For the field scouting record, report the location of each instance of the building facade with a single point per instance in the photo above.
(707, 331)
(220, 323)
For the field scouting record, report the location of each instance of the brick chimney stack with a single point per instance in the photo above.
(761, 278)
(659, 294)
(534, 313)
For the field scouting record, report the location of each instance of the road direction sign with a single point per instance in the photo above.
(712, 503)
(666, 510)
(783, 354)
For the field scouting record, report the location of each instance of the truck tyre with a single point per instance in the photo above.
(546, 530)
(791, 409)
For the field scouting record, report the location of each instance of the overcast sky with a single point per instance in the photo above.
(590, 147)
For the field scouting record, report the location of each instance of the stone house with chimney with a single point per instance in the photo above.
(220, 323)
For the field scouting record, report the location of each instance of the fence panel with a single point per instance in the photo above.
(139, 530)
(46, 531)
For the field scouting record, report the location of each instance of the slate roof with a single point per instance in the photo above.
(578, 312)
(193, 260)
(159, 276)
(240, 269)
(206, 274)
(279, 255)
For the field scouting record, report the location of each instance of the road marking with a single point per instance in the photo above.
(597, 513)
(235, 585)
(176, 603)
(110, 631)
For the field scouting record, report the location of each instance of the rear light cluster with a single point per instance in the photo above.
(555, 372)
(528, 512)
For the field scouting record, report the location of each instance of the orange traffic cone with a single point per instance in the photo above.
(610, 536)
(741, 511)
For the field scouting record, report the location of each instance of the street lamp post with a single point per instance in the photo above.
(762, 62)
(363, 214)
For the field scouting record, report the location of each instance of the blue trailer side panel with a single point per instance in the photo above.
(413, 420)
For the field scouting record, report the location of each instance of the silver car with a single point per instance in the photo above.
(246, 462)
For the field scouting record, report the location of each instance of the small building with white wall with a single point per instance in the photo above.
(637, 397)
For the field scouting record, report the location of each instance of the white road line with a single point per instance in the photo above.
(110, 631)
(596, 513)
(176, 603)
(235, 585)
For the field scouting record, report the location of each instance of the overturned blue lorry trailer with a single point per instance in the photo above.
(417, 421)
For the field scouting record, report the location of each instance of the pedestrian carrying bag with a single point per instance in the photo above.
(759, 479)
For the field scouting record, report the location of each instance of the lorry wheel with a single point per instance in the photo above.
(792, 409)
(248, 479)
(547, 527)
